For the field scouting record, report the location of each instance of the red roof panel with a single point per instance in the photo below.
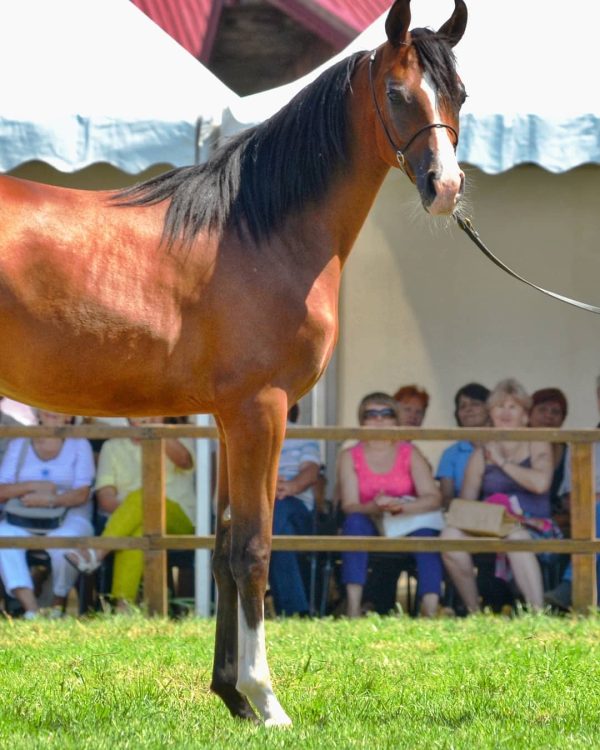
(357, 14)
(193, 23)
(338, 21)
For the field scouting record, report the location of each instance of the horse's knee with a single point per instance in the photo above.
(221, 554)
(250, 562)
(220, 563)
(249, 567)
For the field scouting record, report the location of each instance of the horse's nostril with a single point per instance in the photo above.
(461, 190)
(430, 185)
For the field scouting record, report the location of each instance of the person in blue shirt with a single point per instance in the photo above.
(470, 410)
(299, 466)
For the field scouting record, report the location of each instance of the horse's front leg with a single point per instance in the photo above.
(254, 438)
(225, 668)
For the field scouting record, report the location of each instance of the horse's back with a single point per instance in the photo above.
(88, 297)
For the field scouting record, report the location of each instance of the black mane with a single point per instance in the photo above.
(261, 175)
(258, 177)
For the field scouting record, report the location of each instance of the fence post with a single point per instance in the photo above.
(583, 524)
(154, 525)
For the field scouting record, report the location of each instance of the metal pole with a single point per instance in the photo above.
(203, 577)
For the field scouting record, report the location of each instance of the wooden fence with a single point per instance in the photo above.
(583, 544)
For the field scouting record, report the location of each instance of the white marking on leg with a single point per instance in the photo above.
(226, 517)
(254, 679)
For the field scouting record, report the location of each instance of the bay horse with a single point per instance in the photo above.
(214, 288)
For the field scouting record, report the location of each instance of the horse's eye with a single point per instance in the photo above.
(398, 96)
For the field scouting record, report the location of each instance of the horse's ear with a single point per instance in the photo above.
(455, 26)
(397, 22)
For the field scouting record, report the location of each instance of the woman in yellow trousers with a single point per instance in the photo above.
(128, 566)
(120, 499)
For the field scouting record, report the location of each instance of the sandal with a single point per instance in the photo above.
(84, 564)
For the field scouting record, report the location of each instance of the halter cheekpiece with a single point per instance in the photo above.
(401, 151)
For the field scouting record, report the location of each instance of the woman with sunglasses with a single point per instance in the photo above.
(386, 475)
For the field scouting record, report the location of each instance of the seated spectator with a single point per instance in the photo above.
(549, 410)
(45, 472)
(6, 419)
(561, 595)
(470, 410)
(386, 475)
(513, 468)
(119, 497)
(293, 514)
(412, 405)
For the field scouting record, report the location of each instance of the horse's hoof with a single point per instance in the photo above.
(279, 721)
(246, 715)
(238, 704)
(277, 717)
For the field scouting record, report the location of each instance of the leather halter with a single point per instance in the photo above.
(401, 151)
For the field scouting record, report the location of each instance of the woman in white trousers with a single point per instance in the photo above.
(49, 472)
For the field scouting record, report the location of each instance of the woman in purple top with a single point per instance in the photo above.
(514, 468)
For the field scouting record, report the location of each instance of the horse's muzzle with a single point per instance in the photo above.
(441, 194)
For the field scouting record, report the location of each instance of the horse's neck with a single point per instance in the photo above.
(352, 196)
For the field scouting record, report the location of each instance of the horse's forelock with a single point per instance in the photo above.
(438, 62)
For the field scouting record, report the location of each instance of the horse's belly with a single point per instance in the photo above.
(91, 370)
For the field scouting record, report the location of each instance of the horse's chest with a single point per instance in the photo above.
(316, 338)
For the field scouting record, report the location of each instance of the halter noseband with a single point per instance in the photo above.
(401, 151)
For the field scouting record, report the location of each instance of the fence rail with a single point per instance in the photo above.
(155, 542)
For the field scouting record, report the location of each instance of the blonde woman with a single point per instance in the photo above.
(514, 468)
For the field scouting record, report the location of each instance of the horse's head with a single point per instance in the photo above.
(417, 95)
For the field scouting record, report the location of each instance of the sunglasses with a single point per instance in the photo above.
(387, 413)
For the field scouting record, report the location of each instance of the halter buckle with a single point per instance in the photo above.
(400, 159)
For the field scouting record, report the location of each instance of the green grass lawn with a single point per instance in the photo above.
(130, 682)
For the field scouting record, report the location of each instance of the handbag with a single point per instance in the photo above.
(480, 518)
(403, 524)
(36, 520)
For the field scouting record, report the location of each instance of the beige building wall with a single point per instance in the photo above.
(421, 304)
(99, 176)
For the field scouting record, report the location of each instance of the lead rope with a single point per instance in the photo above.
(467, 226)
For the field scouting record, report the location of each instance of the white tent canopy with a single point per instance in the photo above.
(528, 69)
(88, 81)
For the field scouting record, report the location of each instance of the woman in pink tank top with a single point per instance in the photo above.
(384, 475)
